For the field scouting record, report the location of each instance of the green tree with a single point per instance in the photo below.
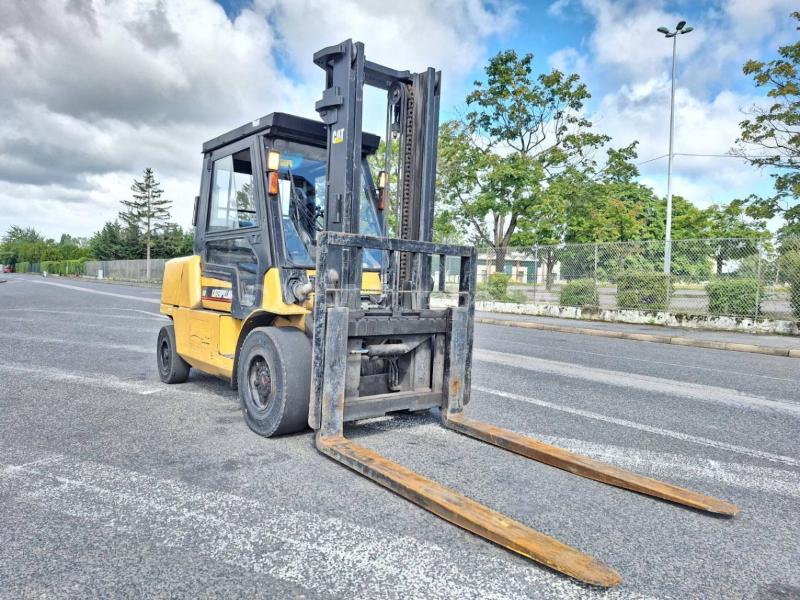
(147, 212)
(21, 244)
(173, 241)
(731, 229)
(108, 243)
(520, 131)
(771, 136)
(14, 242)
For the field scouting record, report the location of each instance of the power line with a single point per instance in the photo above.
(741, 157)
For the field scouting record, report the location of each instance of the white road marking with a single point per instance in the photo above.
(788, 460)
(657, 464)
(143, 388)
(667, 465)
(90, 291)
(138, 310)
(78, 342)
(91, 315)
(107, 381)
(325, 554)
(694, 391)
(58, 323)
(552, 348)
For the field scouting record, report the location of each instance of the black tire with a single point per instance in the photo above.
(274, 379)
(171, 367)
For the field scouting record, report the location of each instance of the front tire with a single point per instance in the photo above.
(274, 380)
(171, 367)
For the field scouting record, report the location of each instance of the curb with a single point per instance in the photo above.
(647, 337)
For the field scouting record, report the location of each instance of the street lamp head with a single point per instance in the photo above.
(681, 25)
(687, 30)
(673, 34)
(663, 30)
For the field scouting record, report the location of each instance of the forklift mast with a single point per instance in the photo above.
(412, 119)
(393, 354)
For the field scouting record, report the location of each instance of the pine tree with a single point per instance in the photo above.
(147, 212)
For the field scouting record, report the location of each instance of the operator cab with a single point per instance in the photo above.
(261, 206)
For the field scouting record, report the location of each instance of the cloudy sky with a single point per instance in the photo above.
(94, 91)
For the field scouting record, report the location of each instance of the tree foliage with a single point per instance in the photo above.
(519, 132)
(770, 137)
(147, 211)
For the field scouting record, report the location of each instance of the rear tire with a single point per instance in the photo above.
(274, 380)
(171, 367)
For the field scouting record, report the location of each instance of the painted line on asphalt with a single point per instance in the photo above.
(694, 391)
(81, 342)
(670, 465)
(323, 553)
(138, 310)
(788, 460)
(655, 464)
(551, 348)
(111, 382)
(647, 337)
(91, 315)
(52, 324)
(90, 291)
(105, 381)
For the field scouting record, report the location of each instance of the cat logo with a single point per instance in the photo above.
(218, 294)
(338, 136)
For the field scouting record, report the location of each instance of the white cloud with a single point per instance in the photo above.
(627, 65)
(94, 91)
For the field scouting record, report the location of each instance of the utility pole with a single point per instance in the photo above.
(679, 29)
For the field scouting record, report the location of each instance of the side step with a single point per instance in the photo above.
(585, 466)
(467, 513)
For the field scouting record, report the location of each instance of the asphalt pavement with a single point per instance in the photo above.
(113, 484)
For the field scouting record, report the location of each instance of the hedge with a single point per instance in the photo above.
(63, 267)
(578, 292)
(643, 291)
(790, 267)
(729, 296)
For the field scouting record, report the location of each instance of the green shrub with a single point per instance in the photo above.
(63, 267)
(517, 297)
(643, 291)
(790, 268)
(497, 286)
(728, 296)
(22, 267)
(578, 292)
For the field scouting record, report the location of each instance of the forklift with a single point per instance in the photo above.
(297, 297)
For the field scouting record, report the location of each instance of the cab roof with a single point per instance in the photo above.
(287, 127)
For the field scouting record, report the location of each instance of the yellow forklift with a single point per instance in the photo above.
(298, 298)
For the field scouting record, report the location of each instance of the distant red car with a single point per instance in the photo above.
(8, 269)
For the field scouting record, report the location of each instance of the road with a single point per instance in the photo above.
(113, 484)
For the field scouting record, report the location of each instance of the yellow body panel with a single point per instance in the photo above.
(206, 339)
(272, 299)
(181, 284)
(206, 335)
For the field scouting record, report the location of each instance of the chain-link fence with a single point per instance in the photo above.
(743, 277)
(739, 277)
(126, 270)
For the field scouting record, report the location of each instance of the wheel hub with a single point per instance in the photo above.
(165, 354)
(260, 382)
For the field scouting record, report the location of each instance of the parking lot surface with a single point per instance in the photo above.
(114, 484)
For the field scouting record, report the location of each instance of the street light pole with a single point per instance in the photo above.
(679, 29)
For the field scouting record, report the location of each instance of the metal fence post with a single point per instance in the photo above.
(758, 280)
(536, 272)
(596, 288)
